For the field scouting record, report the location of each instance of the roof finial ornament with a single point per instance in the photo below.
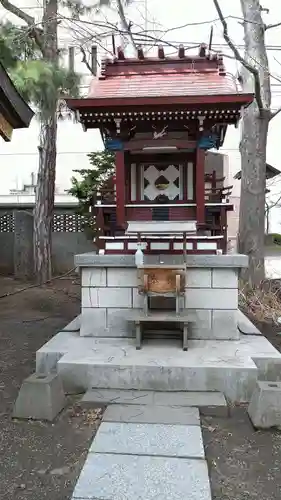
(140, 53)
(120, 54)
(202, 50)
(161, 53)
(181, 52)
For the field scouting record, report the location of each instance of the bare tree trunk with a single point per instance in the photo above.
(44, 204)
(252, 203)
(45, 190)
(253, 146)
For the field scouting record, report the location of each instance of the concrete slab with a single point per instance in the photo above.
(208, 365)
(151, 415)
(91, 259)
(161, 366)
(182, 441)
(48, 356)
(41, 397)
(74, 325)
(209, 403)
(127, 477)
(265, 406)
(268, 370)
(245, 326)
(104, 397)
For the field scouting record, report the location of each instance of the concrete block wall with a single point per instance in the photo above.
(16, 243)
(109, 293)
(211, 296)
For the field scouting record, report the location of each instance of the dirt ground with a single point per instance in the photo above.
(40, 460)
(244, 464)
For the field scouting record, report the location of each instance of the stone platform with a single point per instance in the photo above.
(231, 367)
(111, 291)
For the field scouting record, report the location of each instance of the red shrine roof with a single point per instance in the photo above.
(168, 77)
(181, 84)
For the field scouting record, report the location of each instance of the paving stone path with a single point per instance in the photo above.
(146, 452)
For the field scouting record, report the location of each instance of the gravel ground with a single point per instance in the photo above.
(42, 460)
(39, 460)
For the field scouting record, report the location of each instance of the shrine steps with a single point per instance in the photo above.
(230, 367)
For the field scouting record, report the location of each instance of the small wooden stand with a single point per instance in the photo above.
(140, 318)
(161, 281)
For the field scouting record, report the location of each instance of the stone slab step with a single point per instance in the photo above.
(209, 403)
(109, 363)
(141, 414)
(127, 477)
(182, 441)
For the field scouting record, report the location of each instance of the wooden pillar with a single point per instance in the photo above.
(200, 187)
(223, 224)
(120, 188)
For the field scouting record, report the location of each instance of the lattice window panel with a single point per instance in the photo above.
(167, 176)
(68, 223)
(7, 223)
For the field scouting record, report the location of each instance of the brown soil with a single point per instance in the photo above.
(244, 464)
(39, 460)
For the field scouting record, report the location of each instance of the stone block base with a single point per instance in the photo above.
(265, 405)
(110, 291)
(105, 322)
(228, 367)
(206, 324)
(41, 397)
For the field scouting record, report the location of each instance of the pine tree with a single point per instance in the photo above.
(30, 54)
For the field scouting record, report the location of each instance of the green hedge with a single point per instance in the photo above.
(274, 238)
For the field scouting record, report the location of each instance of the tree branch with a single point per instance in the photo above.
(29, 20)
(269, 207)
(270, 26)
(241, 59)
(84, 60)
(125, 24)
(275, 113)
(18, 12)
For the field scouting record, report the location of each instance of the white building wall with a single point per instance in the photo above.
(19, 158)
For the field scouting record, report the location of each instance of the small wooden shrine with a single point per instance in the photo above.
(14, 112)
(160, 115)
